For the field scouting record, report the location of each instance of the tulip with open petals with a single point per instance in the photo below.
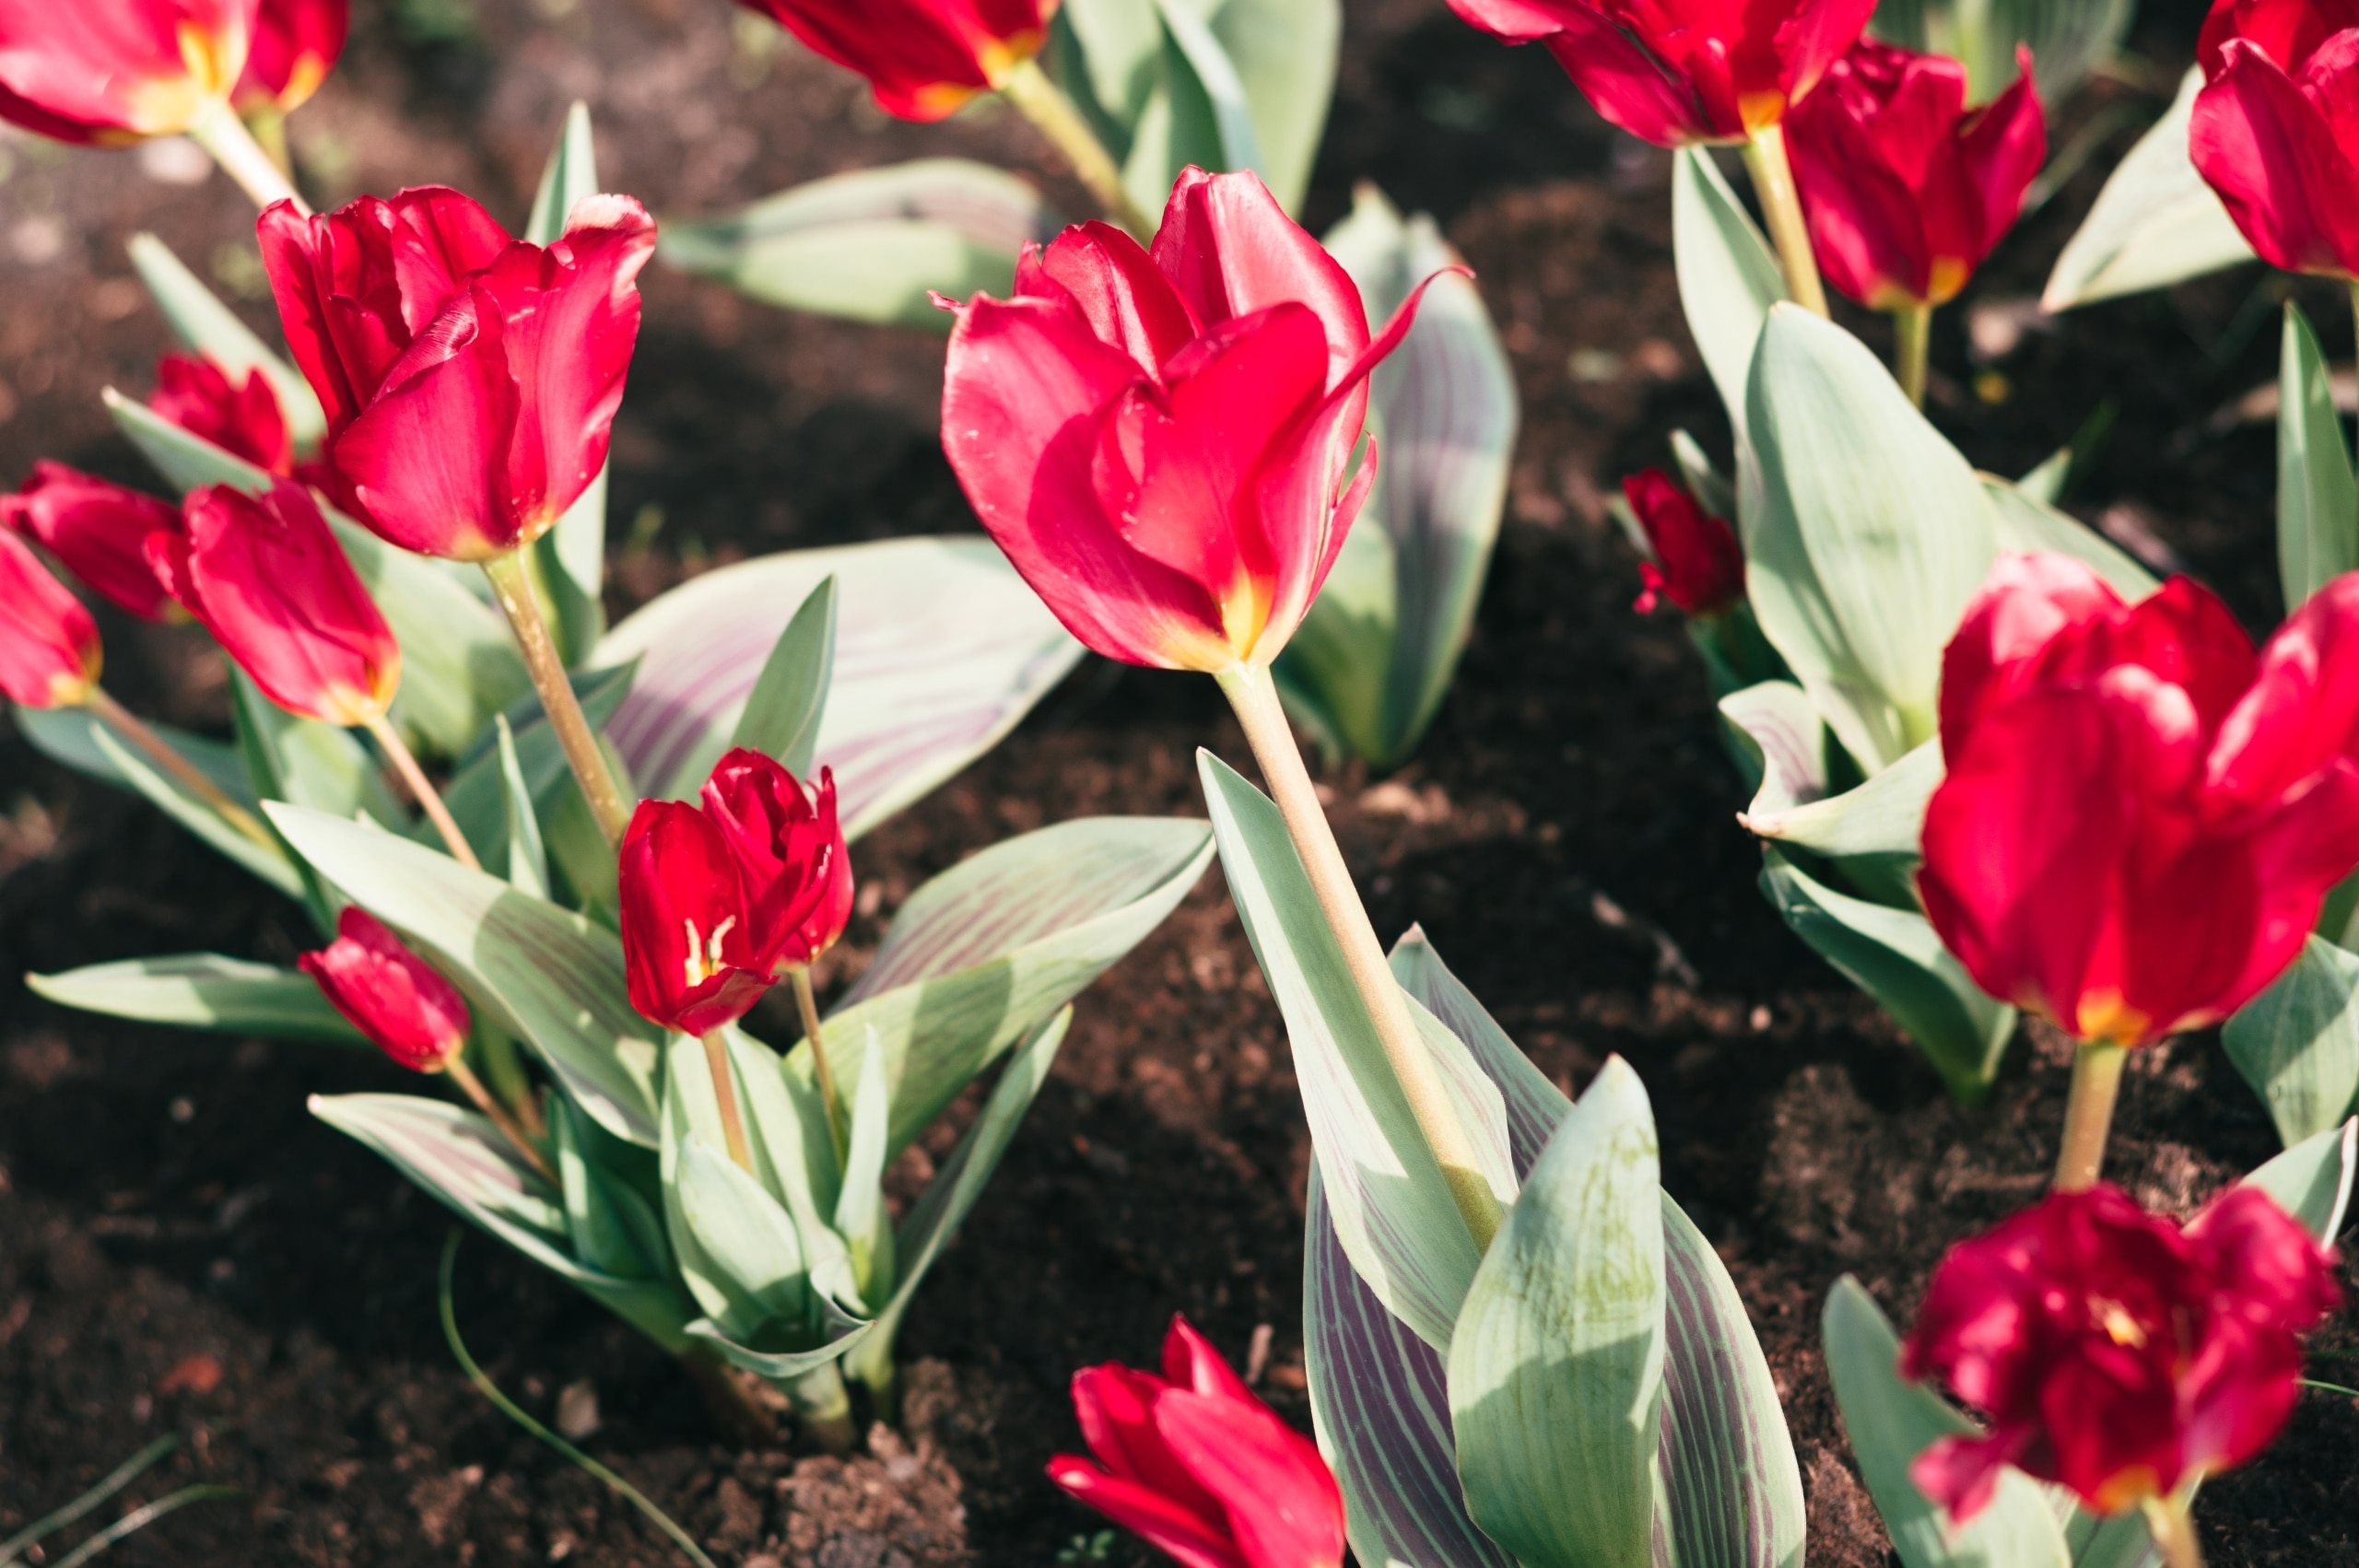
(114, 71)
(1162, 440)
(470, 380)
(49, 644)
(1906, 189)
(240, 418)
(923, 58)
(296, 43)
(99, 530)
(2140, 818)
(2115, 1354)
(389, 993)
(790, 853)
(1697, 563)
(1201, 1469)
(1675, 71)
(689, 952)
(266, 577)
(2276, 127)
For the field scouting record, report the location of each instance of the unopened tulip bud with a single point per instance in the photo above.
(1697, 563)
(242, 418)
(113, 71)
(689, 953)
(389, 993)
(2276, 127)
(49, 644)
(790, 853)
(99, 530)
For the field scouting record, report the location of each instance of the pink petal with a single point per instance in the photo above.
(1162, 1523)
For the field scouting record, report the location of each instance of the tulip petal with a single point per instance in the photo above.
(2001, 153)
(1190, 1362)
(1230, 250)
(2265, 1258)
(1125, 299)
(1814, 38)
(1116, 1408)
(2302, 710)
(1162, 1523)
(49, 644)
(686, 947)
(441, 237)
(99, 530)
(2264, 146)
(1283, 1506)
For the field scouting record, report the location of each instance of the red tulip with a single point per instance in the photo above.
(2277, 125)
(923, 58)
(117, 70)
(1906, 191)
(2115, 1354)
(243, 420)
(688, 948)
(1195, 1464)
(2140, 819)
(389, 993)
(296, 45)
(49, 644)
(791, 857)
(266, 577)
(1679, 71)
(99, 530)
(1697, 563)
(1161, 442)
(470, 380)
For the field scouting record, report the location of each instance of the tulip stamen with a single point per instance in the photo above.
(2118, 1324)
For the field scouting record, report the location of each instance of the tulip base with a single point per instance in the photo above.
(1254, 695)
(2088, 1114)
(1912, 330)
(1781, 204)
(823, 1405)
(513, 585)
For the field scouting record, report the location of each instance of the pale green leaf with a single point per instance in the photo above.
(1787, 740)
(1728, 275)
(2297, 1043)
(2023, 521)
(199, 818)
(528, 865)
(68, 735)
(1283, 53)
(204, 990)
(782, 717)
(2311, 1181)
(1884, 817)
(2318, 500)
(202, 322)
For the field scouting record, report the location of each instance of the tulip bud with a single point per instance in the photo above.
(49, 644)
(2274, 127)
(689, 949)
(923, 58)
(389, 993)
(1675, 72)
(1906, 191)
(99, 530)
(296, 45)
(122, 70)
(470, 380)
(266, 577)
(1199, 1468)
(2115, 1354)
(1697, 563)
(2140, 819)
(790, 858)
(244, 420)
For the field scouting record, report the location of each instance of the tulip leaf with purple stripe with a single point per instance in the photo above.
(940, 650)
(2317, 499)
(570, 558)
(204, 990)
(205, 324)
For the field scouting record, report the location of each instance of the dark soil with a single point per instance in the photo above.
(182, 1249)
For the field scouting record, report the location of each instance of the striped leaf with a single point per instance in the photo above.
(204, 990)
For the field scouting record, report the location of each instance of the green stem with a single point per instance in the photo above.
(1912, 327)
(422, 789)
(2088, 1114)
(141, 1517)
(1044, 103)
(470, 1085)
(219, 131)
(505, 1068)
(182, 771)
(130, 1469)
(1781, 204)
(513, 585)
(824, 1407)
(808, 1006)
(724, 1095)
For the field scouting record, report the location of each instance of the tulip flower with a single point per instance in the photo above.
(1201, 1469)
(923, 58)
(99, 530)
(470, 380)
(389, 993)
(49, 644)
(2115, 1354)
(119, 70)
(244, 420)
(1697, 563)
(689, 949)
(296, 45)
(790, 855)
(2276, 126)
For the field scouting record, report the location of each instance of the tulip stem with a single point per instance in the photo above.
(1044, 103)
(514, 586)
(2088, 1114)
(219, 131)
(1255, 697)
(808, 1005)
(185, 772)
(1781, 204)
(1912, 328)
(429, 800)
(2172, 1528)
(724, 1095)
(470, 1085)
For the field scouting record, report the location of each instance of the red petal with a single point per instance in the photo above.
(49, 644)
(2263, 144)
(2026, 600)
(99, 530)
(1230, 250)
(1630, 87)
(680, 893)
(1193, 1540)
(1284, 1508)
(389, 993)
(1127, 302)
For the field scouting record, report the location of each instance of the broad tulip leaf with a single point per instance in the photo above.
(1556, 1361)
(789, 698)
(1787, 740)
(736, 1245)
(478, 795)
(2297, 1043)
(2154, 224)
(2311, 1181)
(202, 322)
(874, 245)
(1108, 56)
(940, 650)
(2318, 500)
(860, 1217)
(1335, 673)
(1894, 955)
(2024, 522)
(1712, 489)
(1872, 534)
(166, 795)
(68, 735)
(1208, 106)
(307, 763)
(1284, 53)
(1728, 275)
(547, 976)
(2068, 39)
(1891, 1422)
(570, 560)
(1882, 819)
(612, 1226)
(204, 990)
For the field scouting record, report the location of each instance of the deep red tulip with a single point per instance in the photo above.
(266, 577)
(1201, 1469)
(2276, 127)
(1161, 440)
(49, 644)
(1679, 71)
(119, 70)
(99, 530)
(2139, 818)
(791, 857)
(1906, 191)
(923, 58)
(243, 420)
(2115, 1354)
(296, 45)
(689, 952)
(470, 380)
(389, 993)
(1697, 563)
